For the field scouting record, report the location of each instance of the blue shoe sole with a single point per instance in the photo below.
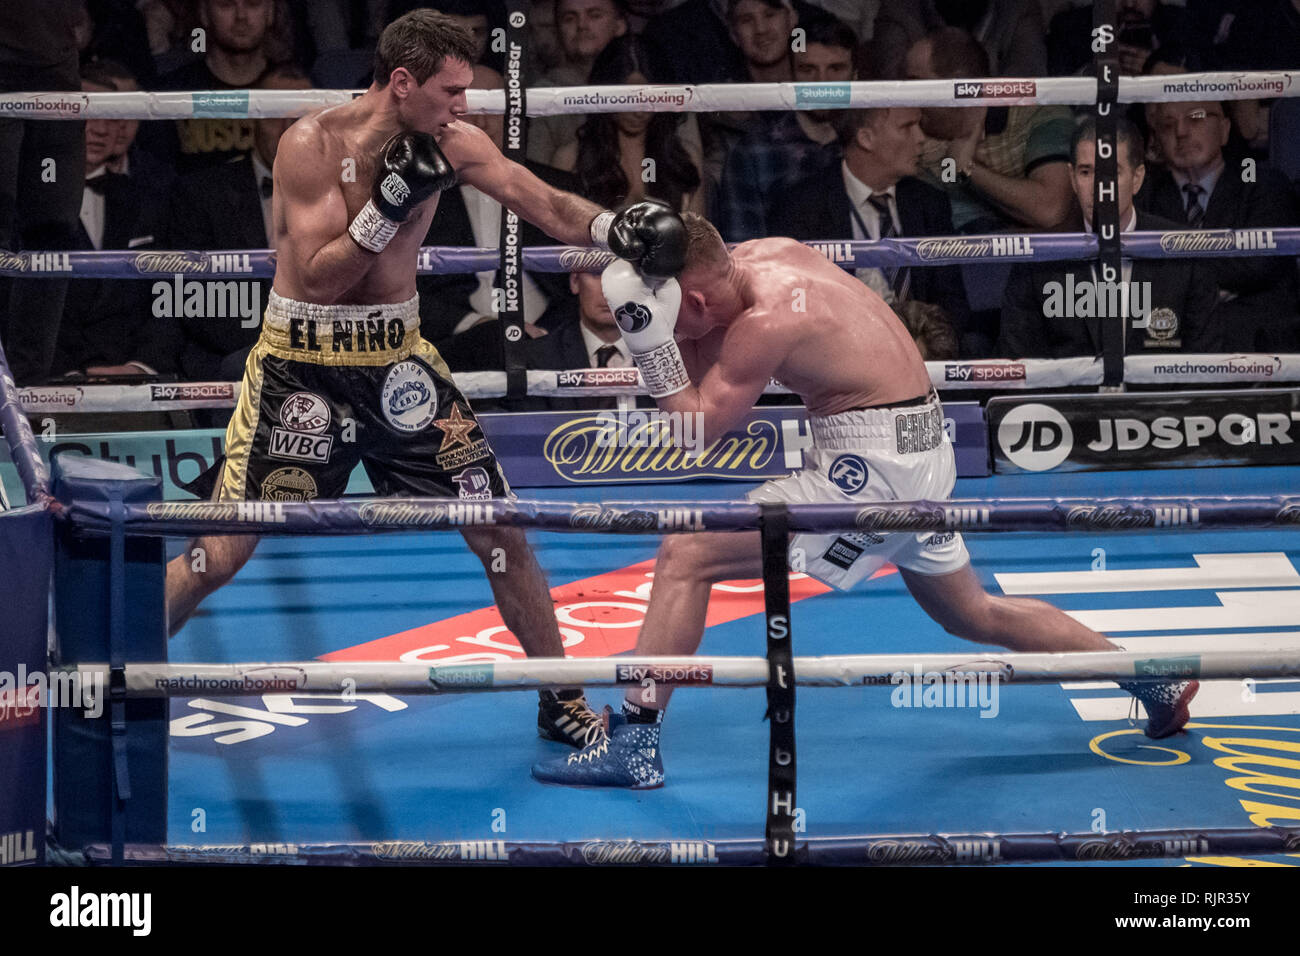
(595, 786)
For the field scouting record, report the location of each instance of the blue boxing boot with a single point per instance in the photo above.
(1166, 704)
(628, 758)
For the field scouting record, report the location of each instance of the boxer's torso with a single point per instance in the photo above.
(846, 348)
(348, 158)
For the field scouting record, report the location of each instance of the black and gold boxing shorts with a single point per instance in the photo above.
(328, 386)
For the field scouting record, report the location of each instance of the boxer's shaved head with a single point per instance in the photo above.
(706, 253)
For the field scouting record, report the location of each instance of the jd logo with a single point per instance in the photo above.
(1035, 437)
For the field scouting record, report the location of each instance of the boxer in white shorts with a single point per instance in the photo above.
(709, 328)
(896, 453)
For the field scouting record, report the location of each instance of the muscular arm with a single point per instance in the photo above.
(700, 354)
(733, 376)
(479, 163)
(325, 259)
(1041, 200)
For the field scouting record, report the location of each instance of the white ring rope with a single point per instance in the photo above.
(706, 98)
(306, 677)
(966, 374)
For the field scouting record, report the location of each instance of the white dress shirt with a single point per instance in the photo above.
(594, 343)
(859, 198)
(92, 210)
(485, 219)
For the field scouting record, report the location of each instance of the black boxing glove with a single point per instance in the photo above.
(651, 236)
(411, 169)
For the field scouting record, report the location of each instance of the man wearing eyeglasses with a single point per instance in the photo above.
(1205, 189)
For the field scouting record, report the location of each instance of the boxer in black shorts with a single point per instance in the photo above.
(328, 387)
(340, 374)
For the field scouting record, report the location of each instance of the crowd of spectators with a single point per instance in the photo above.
(204, 183)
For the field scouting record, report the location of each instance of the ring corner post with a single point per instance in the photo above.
(774, 534)
(26, 557)
(110, 769)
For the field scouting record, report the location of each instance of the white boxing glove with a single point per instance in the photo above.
(646, 313)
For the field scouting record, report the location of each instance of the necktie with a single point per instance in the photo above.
(1195, 211)
(266, 185)
(605, 354)
(899, 279)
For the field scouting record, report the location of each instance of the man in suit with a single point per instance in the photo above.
(1181, 293)
(587, 338)
(451, 305)
(1257, 295)
(873, 194)
(108, 328)
(228, 206)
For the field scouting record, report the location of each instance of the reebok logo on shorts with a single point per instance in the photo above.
(848, 473)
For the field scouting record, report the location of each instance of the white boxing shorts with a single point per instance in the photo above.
(896, 453)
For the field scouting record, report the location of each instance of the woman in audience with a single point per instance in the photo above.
(623, 157)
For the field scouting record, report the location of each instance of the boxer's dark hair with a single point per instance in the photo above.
(1126, 132)
(704, 245)
(421, 41)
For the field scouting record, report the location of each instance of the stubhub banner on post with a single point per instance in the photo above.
(541, 449)
(1144, 430)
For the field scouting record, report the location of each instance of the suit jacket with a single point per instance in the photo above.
(444, 299)
(479, 349)
(819, 208)
(1261, 315)
(1180, 285)
(219, 207)
(110, 321)
(565, 348)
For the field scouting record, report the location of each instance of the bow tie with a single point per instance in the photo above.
(104, 182)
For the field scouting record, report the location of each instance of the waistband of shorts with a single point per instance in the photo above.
(898, 429)
(340, 334)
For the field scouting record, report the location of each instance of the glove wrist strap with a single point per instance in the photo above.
(662, 369)
(371, 229)
(600, 230)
